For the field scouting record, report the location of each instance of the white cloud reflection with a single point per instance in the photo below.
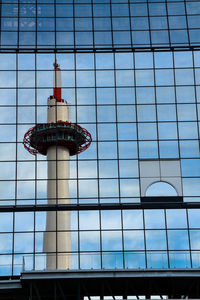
(109, 186)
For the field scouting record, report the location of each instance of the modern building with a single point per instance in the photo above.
(131, 78)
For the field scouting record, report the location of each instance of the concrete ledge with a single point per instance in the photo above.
(78, 274)
(10, 284)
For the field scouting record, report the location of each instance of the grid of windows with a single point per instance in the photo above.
(138, 107)
(142, 110)
(108, 239)
(98, 23)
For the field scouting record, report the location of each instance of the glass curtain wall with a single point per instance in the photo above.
(142, 108)
(99, 23)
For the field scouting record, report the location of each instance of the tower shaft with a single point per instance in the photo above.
(57, 222)
(57, 244)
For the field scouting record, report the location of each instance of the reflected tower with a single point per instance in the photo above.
(57, 139)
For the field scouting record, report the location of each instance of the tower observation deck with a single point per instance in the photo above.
(58, 131)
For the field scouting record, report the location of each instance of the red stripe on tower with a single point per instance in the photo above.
(57, 91)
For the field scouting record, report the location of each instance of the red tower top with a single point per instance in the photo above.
(57, 90)
(61, 133)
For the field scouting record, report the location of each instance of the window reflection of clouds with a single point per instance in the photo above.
(156, 240)
(158, 14)
(155, 118)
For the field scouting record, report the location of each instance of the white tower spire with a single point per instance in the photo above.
(57, 238)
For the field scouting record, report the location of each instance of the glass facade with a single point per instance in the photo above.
(110, 239)
(142, 108)
(99, 23)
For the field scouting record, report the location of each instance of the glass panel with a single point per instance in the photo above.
(133, 240)
(157, 260)
(132, 219)
(178, 240)
(111, 219)
(179, 259)
(89, 220)
(194, 221)
(89, 241)
(24, 221)
(134, 260)
(154, 219)
(6, 222)
(111, 240)
(156, 240)
(112, 260)
(176, 218)
(160, 189)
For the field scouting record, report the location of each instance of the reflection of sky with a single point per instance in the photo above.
(103, 35)
(132, 240)
(148, 130)
(135, 141)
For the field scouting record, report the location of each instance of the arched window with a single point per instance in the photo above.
(161, 189)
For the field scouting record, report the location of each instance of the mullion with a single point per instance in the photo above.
(36, 164)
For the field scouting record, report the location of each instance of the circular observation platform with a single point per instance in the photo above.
(72, 136)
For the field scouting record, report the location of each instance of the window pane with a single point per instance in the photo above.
(156, 240)
(178, 240)
(154, 219)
